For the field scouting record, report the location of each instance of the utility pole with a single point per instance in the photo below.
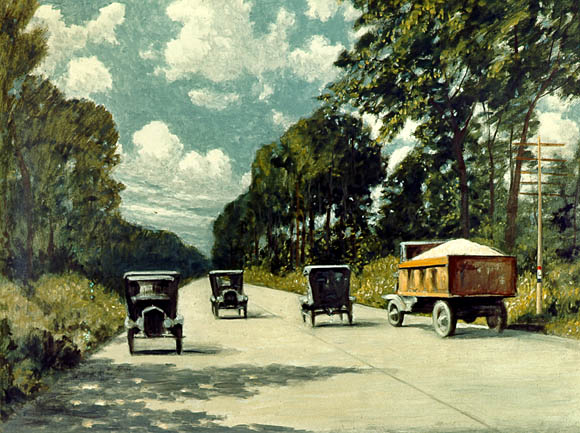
(539, 160)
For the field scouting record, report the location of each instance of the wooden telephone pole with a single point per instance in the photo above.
(538, 193)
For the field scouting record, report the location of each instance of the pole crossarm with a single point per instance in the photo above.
(541, 144)
(548, 173)
(523, 158)
(535, 194)
(543, 183)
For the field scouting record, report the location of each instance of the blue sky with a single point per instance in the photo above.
(197, 86)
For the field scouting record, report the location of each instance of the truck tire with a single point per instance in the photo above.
(498, 321)
(444, 319)
(394, 314)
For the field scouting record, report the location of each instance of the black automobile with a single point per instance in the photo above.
(328, 292)
(227, 287)
(151, 298)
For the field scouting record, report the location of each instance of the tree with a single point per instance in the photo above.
(21, 50)
(428, 61)
(543, 59)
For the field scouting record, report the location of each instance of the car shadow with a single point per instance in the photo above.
(345, 324)
(101, 396)
(197, 350)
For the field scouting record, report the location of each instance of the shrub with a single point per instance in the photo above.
(67, 316)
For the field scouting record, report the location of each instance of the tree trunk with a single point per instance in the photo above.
(28, 209)
(514, 191)
(311, 227)
(297, 226)
(490, 143)
(463, 188)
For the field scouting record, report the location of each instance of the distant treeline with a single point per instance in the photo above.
(469, 76)
(60, 203)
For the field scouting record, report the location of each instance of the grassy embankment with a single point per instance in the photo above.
(561, 293)
(51, 330)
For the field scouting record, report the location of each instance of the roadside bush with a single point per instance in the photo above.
(376, 279)
(67, 316)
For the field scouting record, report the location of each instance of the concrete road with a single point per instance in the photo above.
(272, 373)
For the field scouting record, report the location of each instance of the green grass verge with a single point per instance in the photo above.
(51, 329)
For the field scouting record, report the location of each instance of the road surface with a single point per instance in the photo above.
(272, 373)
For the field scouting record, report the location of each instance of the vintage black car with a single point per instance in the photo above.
(328, 292)
(227, 287)
(151, 298)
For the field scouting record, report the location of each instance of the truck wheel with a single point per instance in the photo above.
(498, 321)
(444, 319)
(349, 315)
(394, 314)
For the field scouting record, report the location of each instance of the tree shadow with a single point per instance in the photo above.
(102, 396)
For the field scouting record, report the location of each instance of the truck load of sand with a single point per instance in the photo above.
(458, 247)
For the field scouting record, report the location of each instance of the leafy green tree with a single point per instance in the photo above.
(542, 58)
(428, 61)
(21, 50)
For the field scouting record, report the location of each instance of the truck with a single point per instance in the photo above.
(452, 280)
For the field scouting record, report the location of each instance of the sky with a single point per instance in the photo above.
(197, 86)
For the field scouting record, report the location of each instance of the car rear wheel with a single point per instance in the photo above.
(498, 321)
(312, 318)
(178, 332)
(349, 315)
(131, 339)
(444, 320)
(394, 314)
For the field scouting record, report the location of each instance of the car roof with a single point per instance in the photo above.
(226, 271)
(151, 275)
(310, 268)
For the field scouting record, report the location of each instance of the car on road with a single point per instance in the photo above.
(151, 298)
(227, 291)
(328, 292)
(452, 280)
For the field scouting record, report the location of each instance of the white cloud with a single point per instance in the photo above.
(281, 120)
(171, 188)
(213, 100)
(246, 180)
(316, 60)
(372, 122)
(218, 41)
(322, 9)
(149, 54)
(85, 76)
(215, 165)
(397, 157)
(103, 28)
(350, 13)
(155, 140)
(554, 128)
(406, 134)
(64, 41)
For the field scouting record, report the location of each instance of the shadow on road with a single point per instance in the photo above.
(344, 324)
(102, 396)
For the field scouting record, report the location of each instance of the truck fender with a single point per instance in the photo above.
(401, 303)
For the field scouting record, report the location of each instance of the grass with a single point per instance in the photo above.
(561, 294)
(66, 317)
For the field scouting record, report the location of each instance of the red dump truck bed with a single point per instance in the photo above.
(458, 275)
